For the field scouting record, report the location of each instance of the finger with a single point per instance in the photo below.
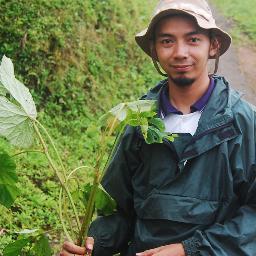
(72, 248)
(149, 252)
(89, 243)
(145, 253)
(65, 253)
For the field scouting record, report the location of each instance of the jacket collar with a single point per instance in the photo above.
(216, 124)
(218, 110)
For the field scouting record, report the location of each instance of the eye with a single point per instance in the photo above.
(194, 39)
(167, 41)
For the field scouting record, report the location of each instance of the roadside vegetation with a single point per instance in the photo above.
(243, 14)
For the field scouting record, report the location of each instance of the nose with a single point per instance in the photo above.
(180, 50)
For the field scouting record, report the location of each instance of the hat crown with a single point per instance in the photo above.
(196, 7)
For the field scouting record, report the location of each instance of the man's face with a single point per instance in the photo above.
(182, 49)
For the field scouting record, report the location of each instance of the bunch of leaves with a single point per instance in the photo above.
(142, 114)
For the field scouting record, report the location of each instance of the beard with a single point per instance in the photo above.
(183, 81)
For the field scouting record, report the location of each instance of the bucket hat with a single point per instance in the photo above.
(198, 9)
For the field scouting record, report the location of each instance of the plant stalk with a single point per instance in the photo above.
(63, 184)
(96, 182)
(54, 147)
(61, 217)
(27, 151)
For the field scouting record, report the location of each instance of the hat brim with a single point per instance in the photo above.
(144, 38)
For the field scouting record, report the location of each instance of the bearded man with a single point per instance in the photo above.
(196, 195)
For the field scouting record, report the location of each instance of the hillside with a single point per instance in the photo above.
(79, 59)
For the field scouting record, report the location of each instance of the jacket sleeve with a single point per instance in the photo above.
(112, 233)
(236, 235)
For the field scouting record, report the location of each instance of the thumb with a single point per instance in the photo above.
(89, 243)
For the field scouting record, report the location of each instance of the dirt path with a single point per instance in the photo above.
(238, 64)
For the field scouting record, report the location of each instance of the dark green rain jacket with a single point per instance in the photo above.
(199, 190)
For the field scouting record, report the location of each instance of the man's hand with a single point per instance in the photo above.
(70, 249)
(167, 250)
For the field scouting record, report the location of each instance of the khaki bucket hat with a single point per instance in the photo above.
(199, 9)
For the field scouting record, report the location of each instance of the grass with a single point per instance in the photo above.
(243, 14)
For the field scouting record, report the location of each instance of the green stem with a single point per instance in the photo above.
(27, 151)
(89, 212)
(75, 170)
(61, 217)
(54, 147)
(90, 205)
(63, 184)
(112, 152)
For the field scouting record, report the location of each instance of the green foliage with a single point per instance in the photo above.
(42, 246)
(88, 45)
(15, 248)
(141, 113)
(104, 204)
(8, 180)
(29, 244)
(239, 11)
(138, 113)
(79, 59)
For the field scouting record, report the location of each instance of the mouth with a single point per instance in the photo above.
(182, 68)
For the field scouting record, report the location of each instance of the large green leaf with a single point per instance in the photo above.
(15, 125)
(15, 248)
(42, 246)
(16, 89)
(8, 179)
(15, 115)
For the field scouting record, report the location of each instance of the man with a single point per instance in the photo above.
(195, 196)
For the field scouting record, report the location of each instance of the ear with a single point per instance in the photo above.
(214, 47)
